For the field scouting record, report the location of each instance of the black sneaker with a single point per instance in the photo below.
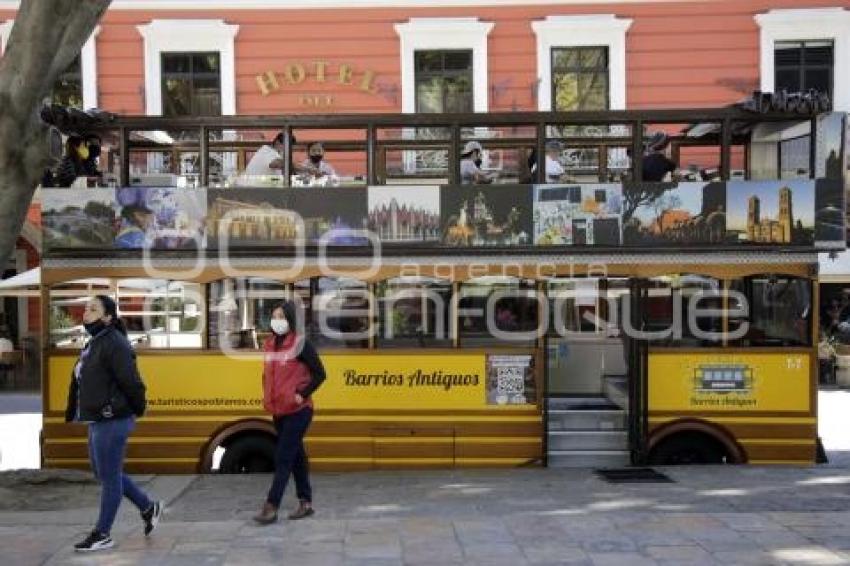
(94, 542)
(151, 517)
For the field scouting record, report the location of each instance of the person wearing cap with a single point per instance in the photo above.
(136, 225)
(315, 165)
(268, 160)
(73, 162)
(90, 165)
(554, 169)
(470, 165)
(656, 164)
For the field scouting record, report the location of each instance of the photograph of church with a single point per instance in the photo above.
(771, 212)
(405, 214)
(683, 213)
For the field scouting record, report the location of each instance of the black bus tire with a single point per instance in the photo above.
(248, 455)
(688, 449)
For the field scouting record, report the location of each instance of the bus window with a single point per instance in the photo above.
(339, 312)
(512, 306)
(414, 312)
(574, 306)
(161, 314)
(240, 310)
(67, 303)
(780, 310)
(672, 298)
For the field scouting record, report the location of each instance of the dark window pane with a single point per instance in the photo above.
(788, 53)
(593, 91)
(429, 61)
(458, 60)
(564, 58)
(788, 79)
(594, 57)
(429, 96)
(819, 79)
(205, 63)
(178, 97)
(818, 53)
(176, 63)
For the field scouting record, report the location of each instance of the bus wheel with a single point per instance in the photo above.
(248, 455)
(681, 449)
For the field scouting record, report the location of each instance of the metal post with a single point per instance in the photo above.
(124, 150)
(204, 154)
(813, 149)
(287, 156)
(540, 174)
(637, 150)
(371, 158)
(725, 149)
(454, 158)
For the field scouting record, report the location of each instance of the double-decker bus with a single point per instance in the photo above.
(584, 319)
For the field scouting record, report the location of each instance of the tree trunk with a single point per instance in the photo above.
(46, 37)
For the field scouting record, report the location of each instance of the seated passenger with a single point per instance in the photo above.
(73, 162)
(656, 164)
(554, 169)
(470, 165)
(268, 160)
(315, 166)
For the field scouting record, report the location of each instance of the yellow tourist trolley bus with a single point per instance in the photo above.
(571, 314)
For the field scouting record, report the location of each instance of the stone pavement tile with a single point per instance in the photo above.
(186, 560)
(372, 562)
(296, 558)
(432, 551)
(809, 519)
(692, 554)
(266, 556)
(204, 531)
(754, 557)
(158, 541)
(613, 543)
(377, 545)
(206, 547)
(742, 522)
(553, 553)
(482, 531)
(621, 559)
(776, 539)
(656, 534)
(493, 551)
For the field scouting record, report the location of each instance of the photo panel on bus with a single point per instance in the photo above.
(578, 215)
(486, 215)
(252, 217)
(671, 214)
(408, 214)
(777, 212)
(339, 215)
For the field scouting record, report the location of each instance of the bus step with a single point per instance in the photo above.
(577, 419)
(588, 440)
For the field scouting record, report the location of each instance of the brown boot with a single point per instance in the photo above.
(304, 510)
(268, 515)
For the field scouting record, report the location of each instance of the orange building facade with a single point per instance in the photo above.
(254, 57)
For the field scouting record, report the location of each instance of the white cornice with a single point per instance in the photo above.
(206, 5)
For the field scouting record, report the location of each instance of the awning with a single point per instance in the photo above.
(24, 284)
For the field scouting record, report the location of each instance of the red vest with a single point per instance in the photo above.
(284, 375)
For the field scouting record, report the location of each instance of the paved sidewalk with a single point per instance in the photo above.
(711, 515)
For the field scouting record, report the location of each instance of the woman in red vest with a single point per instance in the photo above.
(292, 372)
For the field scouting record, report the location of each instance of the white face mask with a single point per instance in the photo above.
(280, 326)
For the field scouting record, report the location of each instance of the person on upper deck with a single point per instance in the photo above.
(656, 164)
(315, 165)
(268, 160)
(73, 162)
(470, 165)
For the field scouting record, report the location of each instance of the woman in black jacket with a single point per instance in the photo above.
(107, 393)
(73, 163)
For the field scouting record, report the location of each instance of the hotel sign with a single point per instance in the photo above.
(321, 73)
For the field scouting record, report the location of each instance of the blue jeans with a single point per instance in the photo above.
(290, 456)
(107, 444)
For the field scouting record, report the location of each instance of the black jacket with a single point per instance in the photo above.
(110, 385)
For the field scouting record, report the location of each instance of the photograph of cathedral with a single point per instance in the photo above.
(486, 215)
(771, 212)
(674, 213)
(405, 214)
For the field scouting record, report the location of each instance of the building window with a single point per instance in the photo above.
(191, 84)
(460, 39)
(804, 65)
(443, 81)
(581, 62)
(580, 78)
(187, 38)
(68, 88)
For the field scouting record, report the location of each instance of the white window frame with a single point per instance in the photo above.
(594, 30)
(426, 34)
(182, 36)
(806, 25)
(88, 63)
